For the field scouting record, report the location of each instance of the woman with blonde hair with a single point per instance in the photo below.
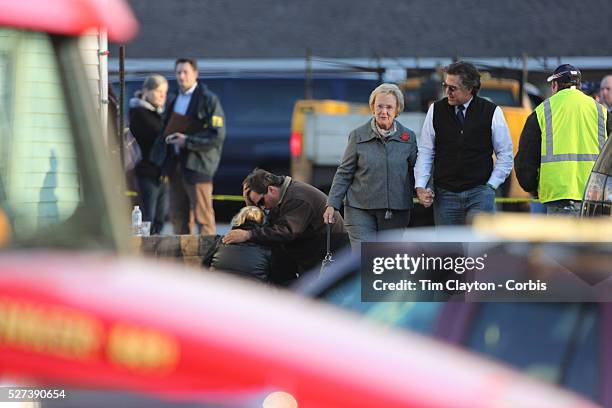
(248, 214)
(375, 180)
(146, 108)
(246, 259)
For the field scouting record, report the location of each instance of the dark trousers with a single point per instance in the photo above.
(154, 195)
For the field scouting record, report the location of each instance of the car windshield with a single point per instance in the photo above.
(47, 190)
(416, 316)
(500, 97)
(558, 341)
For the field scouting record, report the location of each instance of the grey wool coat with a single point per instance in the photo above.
(375, 174)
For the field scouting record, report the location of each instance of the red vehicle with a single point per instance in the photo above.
(100, 322)
(566, 342)
(79, 315)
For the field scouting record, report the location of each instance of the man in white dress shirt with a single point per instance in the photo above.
(454, 169)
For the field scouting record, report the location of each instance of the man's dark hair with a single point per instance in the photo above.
(468, 74)
(192, 61)
(565, 83)
(259, 180)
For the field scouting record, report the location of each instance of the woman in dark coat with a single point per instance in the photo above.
(145, 112)
(246, 259)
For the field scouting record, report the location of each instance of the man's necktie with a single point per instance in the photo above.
(460, 115)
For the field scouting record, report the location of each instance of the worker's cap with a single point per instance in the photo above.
(565, 73)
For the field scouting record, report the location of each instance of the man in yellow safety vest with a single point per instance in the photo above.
(560, 143)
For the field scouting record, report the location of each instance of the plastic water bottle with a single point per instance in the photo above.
(136, 220)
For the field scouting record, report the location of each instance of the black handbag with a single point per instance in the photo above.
(327, 261)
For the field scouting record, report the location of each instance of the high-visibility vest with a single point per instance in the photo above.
(573, 127)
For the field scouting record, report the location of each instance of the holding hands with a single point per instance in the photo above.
(425, 196)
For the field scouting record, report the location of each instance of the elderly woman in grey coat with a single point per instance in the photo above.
(376, 177)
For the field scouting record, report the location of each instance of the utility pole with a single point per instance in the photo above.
(525, 77)
(121, 101)
(379, 69)
(308, 83)
(103, 72)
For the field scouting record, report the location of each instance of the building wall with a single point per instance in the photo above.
(89, 45)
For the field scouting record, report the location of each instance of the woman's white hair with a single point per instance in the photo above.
(390, 89)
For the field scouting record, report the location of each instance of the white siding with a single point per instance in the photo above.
(89, 52)
(93, 47)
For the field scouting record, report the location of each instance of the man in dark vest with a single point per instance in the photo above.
(460, 134)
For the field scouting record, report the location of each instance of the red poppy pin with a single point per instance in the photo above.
(405, 137)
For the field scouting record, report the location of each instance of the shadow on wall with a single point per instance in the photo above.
(48, 211)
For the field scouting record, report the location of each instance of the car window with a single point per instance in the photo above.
(553, 341)
(416, 316)
(39, 177)
(52, 150)
(608, 190)
(500, 97)
(582, 375)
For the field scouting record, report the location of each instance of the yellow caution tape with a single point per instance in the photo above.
(228, 198)
(511, 200)
(504, 200)
(221, 197)
(215, 197)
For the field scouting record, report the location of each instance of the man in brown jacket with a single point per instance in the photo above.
(295, 221)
